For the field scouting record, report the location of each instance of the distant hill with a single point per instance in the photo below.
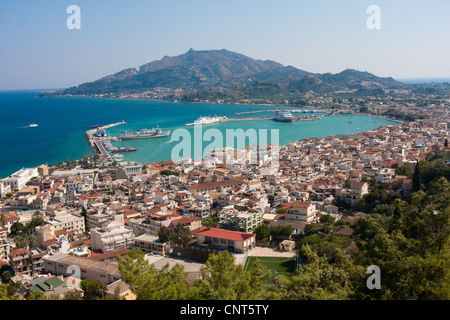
(217, 74)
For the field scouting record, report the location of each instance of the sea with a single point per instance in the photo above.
(62, 122)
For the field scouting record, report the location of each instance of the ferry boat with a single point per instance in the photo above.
(284, 116)
(122, 149)
(144, 134)
(208, 120)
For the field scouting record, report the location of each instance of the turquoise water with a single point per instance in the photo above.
(63, 121)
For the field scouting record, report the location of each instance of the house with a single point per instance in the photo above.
(301, 212)
(52, 286)
(11, 217)
(148, 243)
(121, 289)
(234, 241)
(25, 262)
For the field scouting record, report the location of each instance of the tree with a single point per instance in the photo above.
(2, 220)
(181, 235)
(326, 219)
(6, 273)
(164, 234)
(151, 284)
(73, 295)
(404, 170)
(38, 295)
(16, 229)
(93, 289)
(96, 157)
(318, 279)
(417, 178)
(347, 184)
(223, 279)
(262, 232)
(5, 293)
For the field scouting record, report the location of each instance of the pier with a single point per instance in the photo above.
(96, 142)
(296, 118)
(290, 110)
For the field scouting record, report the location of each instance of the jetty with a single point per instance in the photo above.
(290, 110)
(96, 142)
(296, 118)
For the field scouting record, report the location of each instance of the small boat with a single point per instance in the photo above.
(121, 149)
(32, 125)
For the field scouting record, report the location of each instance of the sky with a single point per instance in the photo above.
(39, 51)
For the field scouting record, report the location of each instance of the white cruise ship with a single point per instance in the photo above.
(208, 120)
(284, 116)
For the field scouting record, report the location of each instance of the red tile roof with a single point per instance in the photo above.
(108, 255)
(226, 234)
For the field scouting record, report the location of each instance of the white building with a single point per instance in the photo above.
(69, 222)
(112, 236)
(131, 167)
(18, 179)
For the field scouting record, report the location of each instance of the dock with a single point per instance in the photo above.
(296, 118)
(96, 143)
(290, 110)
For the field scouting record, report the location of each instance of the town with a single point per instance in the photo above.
(83, 215)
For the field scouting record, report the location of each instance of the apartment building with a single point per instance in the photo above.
(112, 236)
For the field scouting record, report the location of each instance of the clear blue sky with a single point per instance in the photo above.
(37, 50)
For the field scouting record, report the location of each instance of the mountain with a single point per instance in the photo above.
(222, 74)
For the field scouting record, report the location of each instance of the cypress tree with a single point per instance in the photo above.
(417, 179)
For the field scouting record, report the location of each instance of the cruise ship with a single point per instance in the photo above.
(284, 116)
(208, 120)
(144, 134)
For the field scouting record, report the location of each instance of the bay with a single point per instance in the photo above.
(62, 122)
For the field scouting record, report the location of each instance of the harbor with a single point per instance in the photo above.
(289, 118)
(96, 141)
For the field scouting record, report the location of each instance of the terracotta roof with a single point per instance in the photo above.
(48, 242)
(108, 255)
(19, 252)
(344, 231)
(10, 216)
(225, 234)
